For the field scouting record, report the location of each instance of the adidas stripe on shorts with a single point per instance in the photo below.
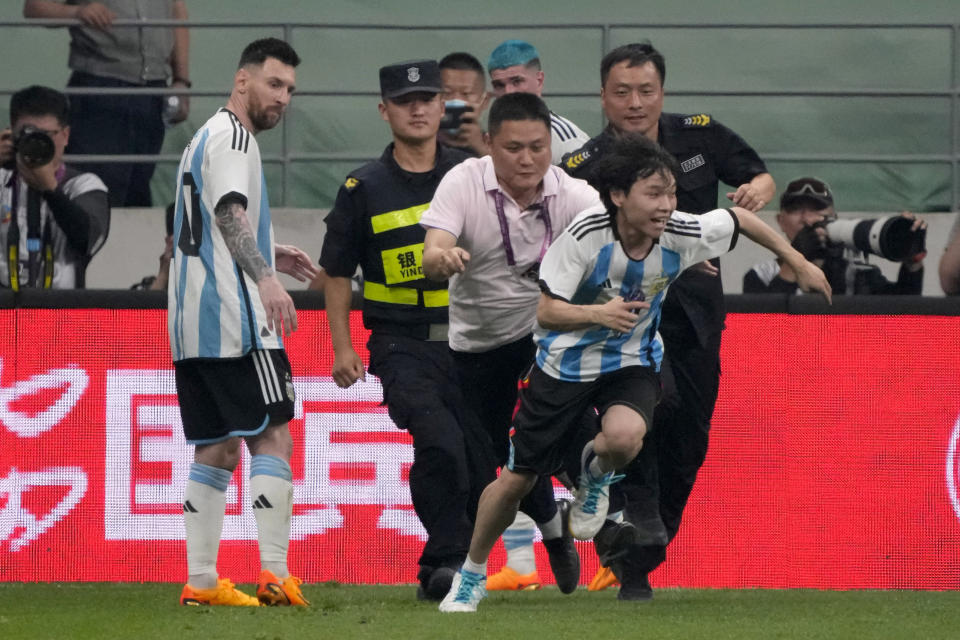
(229, 397)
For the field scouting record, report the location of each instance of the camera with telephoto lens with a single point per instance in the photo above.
(34, 147)
(891, 237)
(452, 115)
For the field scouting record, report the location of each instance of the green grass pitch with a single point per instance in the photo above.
(147, 611)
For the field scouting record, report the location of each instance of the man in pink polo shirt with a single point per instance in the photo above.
(488, 226)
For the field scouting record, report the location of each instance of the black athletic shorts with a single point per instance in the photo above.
(551, 412)
(234, 397)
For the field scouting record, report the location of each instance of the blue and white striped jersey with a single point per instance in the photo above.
(213, 308)
(587, 265)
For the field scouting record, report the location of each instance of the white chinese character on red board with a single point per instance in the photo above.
(18, 524)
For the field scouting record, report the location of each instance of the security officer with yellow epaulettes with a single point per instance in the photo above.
(659, 481)
(375, 224)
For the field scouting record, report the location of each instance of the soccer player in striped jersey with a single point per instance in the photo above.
(603, 282)
(515, 66)
(226, 313)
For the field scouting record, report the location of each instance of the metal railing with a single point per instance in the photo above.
(286, 157)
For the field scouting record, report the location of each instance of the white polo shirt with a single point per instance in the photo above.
(491, 302)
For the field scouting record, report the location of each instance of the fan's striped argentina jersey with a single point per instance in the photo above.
(213, 308)
(565, 137)
(587, 265)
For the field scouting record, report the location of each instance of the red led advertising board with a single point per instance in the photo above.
(832, 462)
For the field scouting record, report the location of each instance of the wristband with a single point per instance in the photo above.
(185, 82)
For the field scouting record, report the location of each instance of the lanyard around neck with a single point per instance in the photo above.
(543, 214)
(39, 239)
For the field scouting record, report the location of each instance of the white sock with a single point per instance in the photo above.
(616, 516)
(470, 565)
(518, 542)
(204, 502)
(271, 487)
(553, 528)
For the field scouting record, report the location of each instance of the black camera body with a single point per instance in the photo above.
(34, 147)
(452, 115)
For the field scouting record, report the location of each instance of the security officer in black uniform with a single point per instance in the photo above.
(660, 480)
(375, 223)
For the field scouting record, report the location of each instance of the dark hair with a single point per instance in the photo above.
(40, 101)
(461, 60)
(633, 157)
(636, 54)
(258, 51)
(517, 106)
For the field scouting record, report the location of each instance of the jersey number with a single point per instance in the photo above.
(191, 230)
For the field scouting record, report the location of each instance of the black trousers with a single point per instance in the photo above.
(660, 479)
(422, 397)
(488, 383)
(117, 125)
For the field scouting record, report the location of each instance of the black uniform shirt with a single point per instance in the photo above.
(379, 187)
(708, 153)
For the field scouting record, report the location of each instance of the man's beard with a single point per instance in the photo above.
(263, 119)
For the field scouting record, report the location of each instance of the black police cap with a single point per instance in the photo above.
(409, 77)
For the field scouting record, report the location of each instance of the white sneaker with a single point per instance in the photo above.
(466, 592)
(590, 502)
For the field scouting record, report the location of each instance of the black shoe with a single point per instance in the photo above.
(436, 585)
(562, 552)
(613, 541)
(635, 588)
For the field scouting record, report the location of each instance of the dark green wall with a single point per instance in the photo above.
(824, 60)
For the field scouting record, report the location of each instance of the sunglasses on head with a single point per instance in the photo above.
(809, 188)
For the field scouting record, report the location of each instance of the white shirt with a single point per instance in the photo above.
(565, 137)
(587, 265)
(214, 309)
(492, 303)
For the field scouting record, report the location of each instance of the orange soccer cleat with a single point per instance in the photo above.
(604, 578)
(224, 594)
(272, 591)
(508, 579)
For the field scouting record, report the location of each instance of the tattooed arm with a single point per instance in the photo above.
(232, 221)
(231, 216)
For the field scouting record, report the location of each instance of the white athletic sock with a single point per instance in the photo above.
(271, 487)
(616, 516)
(470, 565)
(204, 502)
(553, 528)
(518, 542)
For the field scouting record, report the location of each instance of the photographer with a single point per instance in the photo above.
(466, 98)
(841, 247)
(60, 217)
